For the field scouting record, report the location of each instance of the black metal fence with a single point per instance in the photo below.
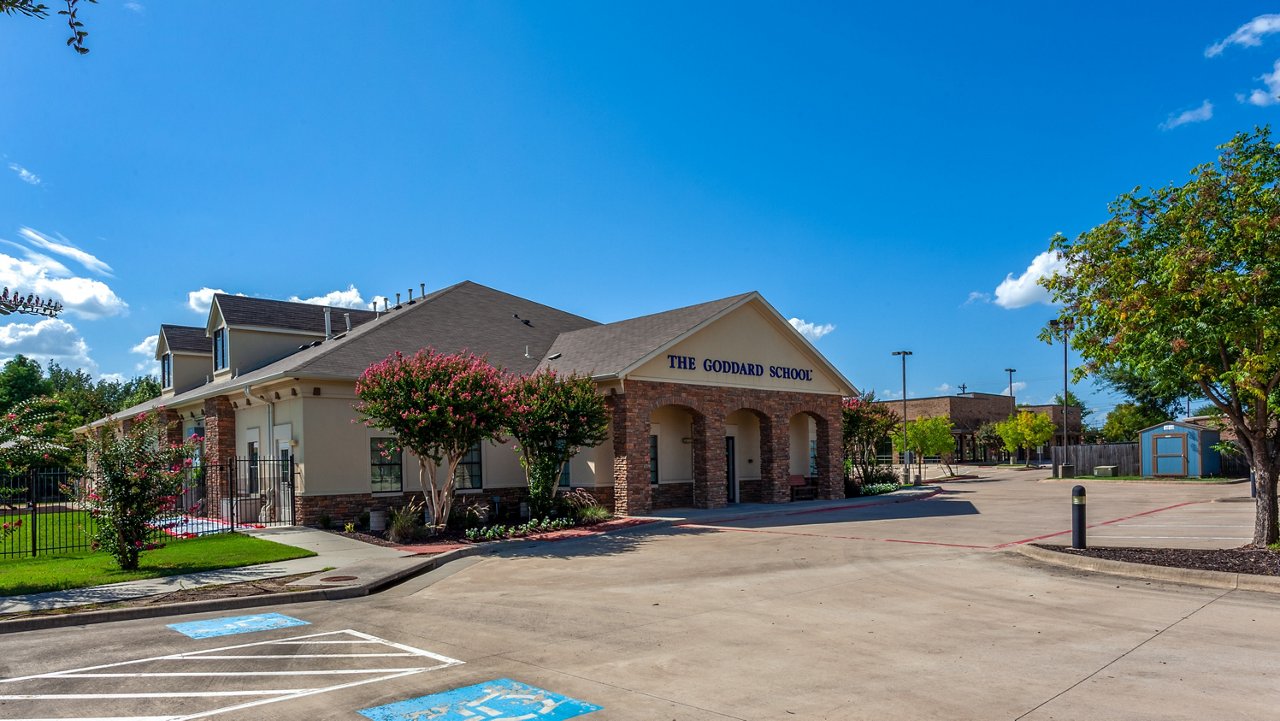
(44, 510)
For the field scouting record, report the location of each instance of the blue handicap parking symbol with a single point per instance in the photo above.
(236, 624)
(498, 700)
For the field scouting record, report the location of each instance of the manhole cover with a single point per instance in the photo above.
(337, 579)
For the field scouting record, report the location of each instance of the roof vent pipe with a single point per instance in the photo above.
(411, 296)
(386, 305)
(328, 322)
(397, 301)
(422, 289)
(347, 318)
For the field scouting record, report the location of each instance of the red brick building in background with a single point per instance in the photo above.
(970, 411)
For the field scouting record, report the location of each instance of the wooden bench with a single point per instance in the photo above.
(802, 489)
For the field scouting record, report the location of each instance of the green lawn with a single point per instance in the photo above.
(209, 553)
(53, 531)
(1208, 480)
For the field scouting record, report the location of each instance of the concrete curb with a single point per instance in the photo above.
(1196, 577)
(39, 622)
(33, 623)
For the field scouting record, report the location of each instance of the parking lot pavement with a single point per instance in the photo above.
(871, 613)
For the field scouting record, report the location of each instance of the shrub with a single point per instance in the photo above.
(405, 522)
(593, 514)
(136, 477)
(875, 489)
(324, 521)
(468, 514)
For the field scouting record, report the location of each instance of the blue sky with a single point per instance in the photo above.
(889, 175)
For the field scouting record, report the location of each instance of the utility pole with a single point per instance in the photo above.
(906, 469)
(1065, 327)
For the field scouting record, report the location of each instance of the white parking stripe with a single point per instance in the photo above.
(115, 670)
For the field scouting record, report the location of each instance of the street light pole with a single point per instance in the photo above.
(1065, 326)
(906, 470)
(1012, 402)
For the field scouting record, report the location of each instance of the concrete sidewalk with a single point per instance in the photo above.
(355, 563)
(332, 551)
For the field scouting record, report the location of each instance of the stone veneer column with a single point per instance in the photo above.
(172, 422)
(830, 455)
(775, 468)
(631, 492)
(709, 487)
(219, 451)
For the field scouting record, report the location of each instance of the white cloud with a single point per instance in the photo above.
(1269, 96)
(943, 388)
(113, 377)
(136, 7)
(1248, 35)
(147, 346)
(378, 301)
(812, 331)
(977, 297)
(1195, 115)
(1025, 289)
(349, 298)
(890, 394)
(200, 300)
(25, 175)
(66, 250)
(41, 275)
(46, 340)
(1017, 386)
(147, 349)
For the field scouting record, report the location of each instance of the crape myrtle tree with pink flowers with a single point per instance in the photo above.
(553, 418)
(134, 478)
(437, 405)
(31, 433)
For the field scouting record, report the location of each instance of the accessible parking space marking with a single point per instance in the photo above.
(236, 624)
(498, 700)
(175, 687)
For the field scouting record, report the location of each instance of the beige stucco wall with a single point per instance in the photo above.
(745, 429)
(251, 349)
(803, 430)
(675, 457)
(190, 370)
(748, 335)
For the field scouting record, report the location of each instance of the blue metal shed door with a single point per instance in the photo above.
(1169, 454)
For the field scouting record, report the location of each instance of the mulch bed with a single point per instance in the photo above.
(1260, 562)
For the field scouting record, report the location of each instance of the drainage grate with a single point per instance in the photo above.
(337, 579)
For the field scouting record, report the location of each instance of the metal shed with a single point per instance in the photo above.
(1178, 449)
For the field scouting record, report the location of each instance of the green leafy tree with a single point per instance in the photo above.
(20, 379)
(1182, 287)
(1206, 409)
(928, 437)
(33, 9)
(33, 433)
(135, 478)
(552, 418)
(1025, 430)
(438, 406)
(1125, 420)
(866, 424)
(986, 436)
(1074, 402)
(1149, 394)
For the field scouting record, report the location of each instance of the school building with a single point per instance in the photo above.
(712, 404)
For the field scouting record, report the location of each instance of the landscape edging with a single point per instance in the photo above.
(1194, 576)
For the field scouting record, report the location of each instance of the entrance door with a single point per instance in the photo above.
(1169, 454)
(730, 473)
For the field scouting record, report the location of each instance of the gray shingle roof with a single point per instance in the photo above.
(186, 339)
(609, 349)
(242, 310)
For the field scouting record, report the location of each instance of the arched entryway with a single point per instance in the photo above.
(677, 436)
(814, 453)
(748, 450)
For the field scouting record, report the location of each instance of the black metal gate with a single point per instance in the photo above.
(251, 492)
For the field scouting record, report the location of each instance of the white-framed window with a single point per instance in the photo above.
(386, 466)
(166, 370)
(468, 475)
(220, 359)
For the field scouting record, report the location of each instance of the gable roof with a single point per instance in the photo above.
(240, 310)
(1181, 424)
(610, 349)
(185, 339)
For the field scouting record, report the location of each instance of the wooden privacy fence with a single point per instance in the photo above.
(1124, 456)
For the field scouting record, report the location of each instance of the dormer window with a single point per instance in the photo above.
(220, 349)
(166, 370)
